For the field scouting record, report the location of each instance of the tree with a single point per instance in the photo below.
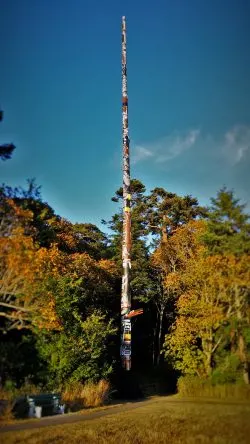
(228, 225)
(165, 212)
(84, 298)
(23, 269)
(29, 199)
(215, 292)
(50, 229)
(82, 356)
(200, 315)
(141, 283)
(6, 149)
(236, 274)
(58, 288)
(154, 217)
(92, 240)
(170, 260)
(229, 233)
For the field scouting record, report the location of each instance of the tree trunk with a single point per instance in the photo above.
(241, 340)
(154, 346)
(160, 335)
(209, 364)
(243, 358)
(207, 345)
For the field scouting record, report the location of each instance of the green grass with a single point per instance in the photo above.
(164, 420)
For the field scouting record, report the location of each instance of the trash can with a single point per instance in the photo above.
(62, 409)
(31, 413)
(38, 411)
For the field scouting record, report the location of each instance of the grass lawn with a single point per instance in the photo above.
(164, 420)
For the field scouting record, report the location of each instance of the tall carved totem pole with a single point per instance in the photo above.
(126, 313)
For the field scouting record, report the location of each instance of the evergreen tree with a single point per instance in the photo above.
(6, 149)
(229, 234)
(228, 225)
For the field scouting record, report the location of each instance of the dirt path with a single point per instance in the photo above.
(72, 417)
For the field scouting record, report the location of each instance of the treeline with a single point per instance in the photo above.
(60, 289)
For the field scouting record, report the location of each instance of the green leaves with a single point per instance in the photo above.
(228, 225)
(81, 356)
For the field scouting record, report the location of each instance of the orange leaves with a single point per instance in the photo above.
(35, 281)
(17, 268)
(83, 265)
(66, 238)
(19, 211)
(12, 217)
(23, 269)
(110, 267)
(48, 318)
(16, 256)
(51, 260)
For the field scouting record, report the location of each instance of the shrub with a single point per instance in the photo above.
(196, 387)
(77, 395)
(6, 404)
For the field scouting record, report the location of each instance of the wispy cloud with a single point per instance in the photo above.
(141, 153)
(236, 144)
(232, 146)
(166, 148)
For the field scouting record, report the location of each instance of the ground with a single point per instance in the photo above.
(160, 420)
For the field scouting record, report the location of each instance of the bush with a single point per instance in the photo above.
(196, 387)
(6, 410)
(77, 395)
(6, 404)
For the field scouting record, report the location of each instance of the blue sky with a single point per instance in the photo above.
(189, 98)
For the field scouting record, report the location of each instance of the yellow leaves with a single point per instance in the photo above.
(51, 260)
(177, 249)
(211, 290)
(174, 255)
(48, 317)
(172, 281)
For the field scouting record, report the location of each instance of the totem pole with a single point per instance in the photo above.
(126, 313)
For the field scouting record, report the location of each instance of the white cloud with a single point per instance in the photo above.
(233, 146)
(141, 153)
(165, 149)
(237, 143)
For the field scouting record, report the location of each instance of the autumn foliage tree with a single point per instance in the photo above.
(214, 296)
(170, 260)
(23, 269)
